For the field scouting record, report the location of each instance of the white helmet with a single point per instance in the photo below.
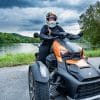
(51, 19)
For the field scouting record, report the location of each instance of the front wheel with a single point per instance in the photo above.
(38, 90)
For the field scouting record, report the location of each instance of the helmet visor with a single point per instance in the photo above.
(51, 18)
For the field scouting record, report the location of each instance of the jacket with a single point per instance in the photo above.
(45, 36)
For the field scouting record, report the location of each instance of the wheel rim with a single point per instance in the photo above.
(31, 86)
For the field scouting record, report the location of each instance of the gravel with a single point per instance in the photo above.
(14, 83)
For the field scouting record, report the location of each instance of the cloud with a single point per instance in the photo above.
(72, 28)
(68, 15)
(66, 4)
(14, 3)
(29, 19)
(35, 22)
(29, 15)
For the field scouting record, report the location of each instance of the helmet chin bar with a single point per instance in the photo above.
(51, 24)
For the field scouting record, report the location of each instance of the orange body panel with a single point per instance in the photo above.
(57, 47)
(80, 63)
(82, 54)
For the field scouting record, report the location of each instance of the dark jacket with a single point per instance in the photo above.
(46, 38)
(44, 33)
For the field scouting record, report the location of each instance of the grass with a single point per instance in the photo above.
(92, 53)
(16, 59)
(22, 58)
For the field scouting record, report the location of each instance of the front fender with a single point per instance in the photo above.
(39, 71)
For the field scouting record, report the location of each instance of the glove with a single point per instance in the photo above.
(52, 38)
(61, 36)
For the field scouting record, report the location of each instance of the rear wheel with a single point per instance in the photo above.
(37, 90)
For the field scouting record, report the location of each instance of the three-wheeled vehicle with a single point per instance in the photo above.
(68, 69)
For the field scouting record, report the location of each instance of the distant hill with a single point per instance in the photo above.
(16, 38)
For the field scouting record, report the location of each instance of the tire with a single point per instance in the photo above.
(37, 90)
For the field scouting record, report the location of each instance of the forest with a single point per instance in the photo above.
(16, 38)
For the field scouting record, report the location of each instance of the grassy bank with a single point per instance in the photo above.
(16, 59)
(92, 53)
(20, 59)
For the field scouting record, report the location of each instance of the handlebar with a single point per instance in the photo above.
(62, 35)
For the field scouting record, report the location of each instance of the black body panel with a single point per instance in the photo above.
(36, 67)
(83, 74)
(77, 89)
(78, 83)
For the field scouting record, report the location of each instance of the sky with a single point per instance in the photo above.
(28, 16)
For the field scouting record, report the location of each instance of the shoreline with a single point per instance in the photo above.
(11, 60)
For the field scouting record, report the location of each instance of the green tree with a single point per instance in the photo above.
(90, 24)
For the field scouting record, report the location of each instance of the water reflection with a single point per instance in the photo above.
(17, 48)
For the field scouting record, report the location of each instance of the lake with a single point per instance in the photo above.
(18, 48)
(23, 48)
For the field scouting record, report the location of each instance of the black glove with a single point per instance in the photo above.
(61, 36)
(58, 35)
(52, 38)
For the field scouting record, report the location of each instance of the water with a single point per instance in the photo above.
(22, 48)
(18, 48)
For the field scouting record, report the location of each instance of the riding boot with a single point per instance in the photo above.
(53, 92)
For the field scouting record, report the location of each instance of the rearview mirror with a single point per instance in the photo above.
(36, 35)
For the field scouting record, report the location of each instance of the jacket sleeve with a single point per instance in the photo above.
(43, 33)
(71, 36)
(61, 29)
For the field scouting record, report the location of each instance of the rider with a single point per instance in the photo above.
(46, 33)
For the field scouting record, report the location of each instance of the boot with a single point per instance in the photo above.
(53, 92)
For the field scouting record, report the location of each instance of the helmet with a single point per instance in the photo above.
(51, 23)
(51, 15)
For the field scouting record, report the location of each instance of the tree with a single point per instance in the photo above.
(16, 38)
(90, 24)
